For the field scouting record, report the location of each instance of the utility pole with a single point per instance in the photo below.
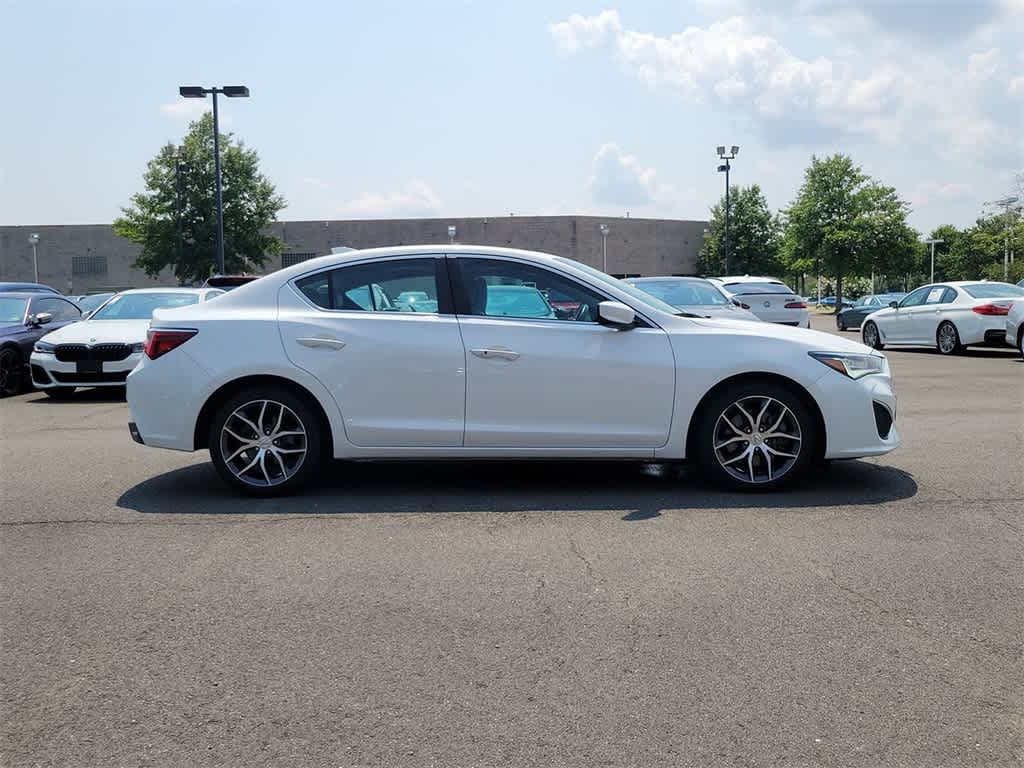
(932, 243)
(724, 168)
(179, 170)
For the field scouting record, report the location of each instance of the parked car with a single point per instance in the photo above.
(829, 302)
(1015, 326)
(294, 372)
(948, 316)
(693, 294)
(91, 302)
(768, 298)
(228, 282)
(27, 288)
(25, 317)
(853, 316)
(101, 350)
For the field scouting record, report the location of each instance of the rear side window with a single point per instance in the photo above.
(400, 285)
(746, 289)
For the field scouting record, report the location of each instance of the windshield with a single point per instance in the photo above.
(994, 291)
(746, 289)
(636, 293)
(12, 311)
(90, 303)
(684, 293)
(140, 306)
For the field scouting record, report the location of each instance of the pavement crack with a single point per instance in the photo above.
(575, 549)
(855, 593)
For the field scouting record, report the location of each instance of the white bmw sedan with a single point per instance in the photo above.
(326, 359)
(768, 298)
(947, 316)
(100, 351)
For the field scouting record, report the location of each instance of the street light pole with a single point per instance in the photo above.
(733, 151)
(605, 229)
(179, 168)
(931, 279)
(1006, 202)
(33, 240)
(199, 92)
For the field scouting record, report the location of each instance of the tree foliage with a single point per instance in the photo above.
(843, 222)
(250, 207)
(754, 236)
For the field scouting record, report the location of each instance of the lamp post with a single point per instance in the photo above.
(933, 243)
(33, 240)
(199, 92)
(724, 168)
(451, 234)
(179, 171)
(605, 229)
(1006, 202)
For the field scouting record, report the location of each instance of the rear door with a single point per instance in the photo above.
(396, 371)
(768, 300)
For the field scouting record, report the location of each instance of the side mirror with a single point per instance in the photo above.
(894, 304)
(85, 315)
(615, 314)
(40, 319)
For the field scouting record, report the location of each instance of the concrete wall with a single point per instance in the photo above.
(635, 246)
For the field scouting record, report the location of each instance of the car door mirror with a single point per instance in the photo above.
(894, 304)
(41, 318)
(615, 314)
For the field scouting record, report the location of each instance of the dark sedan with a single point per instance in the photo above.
(27, 288)
(852, 317)
(24, 319)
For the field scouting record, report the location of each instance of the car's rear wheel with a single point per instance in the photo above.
(872, 337)
(756, 435)
(947, 339)
(267, 441)
(59, 393)
(840, 323)
(12, 372)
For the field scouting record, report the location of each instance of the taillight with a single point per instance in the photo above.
(797, 305)
(159, 343)
(991, 309)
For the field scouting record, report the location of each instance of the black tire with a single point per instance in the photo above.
(947, 339)
(870, 331)
(12, 372)
(840, 325)
(60, 393)
(712, 431)
(299, 415)
(1020, 342)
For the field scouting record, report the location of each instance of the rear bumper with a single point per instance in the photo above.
(163, 400)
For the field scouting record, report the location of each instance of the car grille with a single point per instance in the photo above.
(883, 420)
(118, 377)
(108, 353)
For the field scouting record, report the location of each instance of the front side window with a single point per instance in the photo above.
(498, 288)
(12, 311)
(399, 285)
(60, 309)
(916, 298)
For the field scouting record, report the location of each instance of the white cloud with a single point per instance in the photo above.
(619, 179)
(585, 31)
(415, 199)
(984, 65)
(929, 192)
(186, 109)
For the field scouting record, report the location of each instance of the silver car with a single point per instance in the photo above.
(694, 295)
(1015, 325)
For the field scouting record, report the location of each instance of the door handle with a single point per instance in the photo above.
(321, 343)
(491, 352)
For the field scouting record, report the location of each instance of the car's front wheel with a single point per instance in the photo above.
(756, 436)
(840, 323)
(12, 372)
(947, 339)
(266, 442)
(872, 337)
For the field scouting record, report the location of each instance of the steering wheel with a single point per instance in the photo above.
(582, 314)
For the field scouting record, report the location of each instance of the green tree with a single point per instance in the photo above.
(754, 236)
(843, 222)
(250, 207)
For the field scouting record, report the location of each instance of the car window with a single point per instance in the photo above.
(747, 289)
(499, 288)
(935, 295)
(62, 311)
(949, 296)
(916, 297)
(212, 294)
(91, 303)
(632, 291)
(398, 285)
(684, 293)
(12, 311)
(994, 291)
(140, 306)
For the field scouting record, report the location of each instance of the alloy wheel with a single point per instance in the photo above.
(947, 338)
(757, 439)
(263, 443)
(870, 335)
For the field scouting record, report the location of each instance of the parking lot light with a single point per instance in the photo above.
(33, 240)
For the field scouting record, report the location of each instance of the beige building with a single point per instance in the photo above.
(80, 259)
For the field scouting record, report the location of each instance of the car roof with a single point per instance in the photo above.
(169, 290)
(687, 278)
(32, 295)
(29, 287)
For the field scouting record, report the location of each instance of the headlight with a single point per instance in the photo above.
(139, 347)
(854, 366)
(43, 348)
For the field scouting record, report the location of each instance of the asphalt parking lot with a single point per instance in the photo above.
(519, 614)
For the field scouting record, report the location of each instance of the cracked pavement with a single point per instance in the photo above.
(519, 615)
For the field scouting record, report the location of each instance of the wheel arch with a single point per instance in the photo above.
(223, 393)
(784, 381)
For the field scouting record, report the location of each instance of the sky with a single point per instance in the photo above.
(381, 109)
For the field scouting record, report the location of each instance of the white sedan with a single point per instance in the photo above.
(1015, 326)
(100, 351)
(948, 316)
(768, 298)
(321, 360)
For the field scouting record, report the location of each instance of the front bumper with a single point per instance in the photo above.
(49, 372)
(849, 408)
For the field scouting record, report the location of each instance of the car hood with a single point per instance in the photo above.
(10, 330)
(816, 341)
(100, 332)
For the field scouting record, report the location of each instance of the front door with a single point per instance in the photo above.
(899, 326)
(381, 337)
(542, 373)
